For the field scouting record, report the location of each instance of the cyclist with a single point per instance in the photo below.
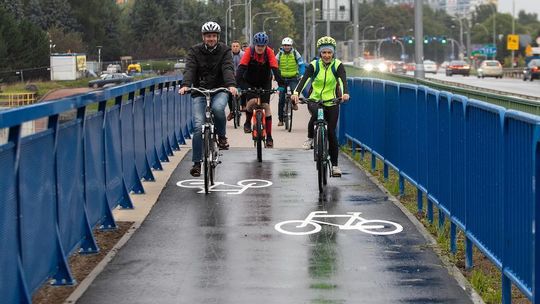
(208, 65)
(255, 71)
(291, 66)
(329, 81)
(237, 54)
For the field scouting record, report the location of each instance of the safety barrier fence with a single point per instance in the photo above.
(16, 99)
(477, 162)
(60, 183)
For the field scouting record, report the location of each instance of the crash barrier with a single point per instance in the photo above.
(475, 161)
(60, 183)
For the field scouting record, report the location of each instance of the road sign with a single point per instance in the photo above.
(512, 43)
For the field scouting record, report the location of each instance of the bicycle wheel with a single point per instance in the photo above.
(286, 107)
(379, 227)
(206, 159)
(259, 138)
(321, 165)
(212, 158)
(290, 115)
(237, 113)
(296, 230)
(326, 161)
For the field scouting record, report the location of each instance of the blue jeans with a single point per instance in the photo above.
(219, 102)
(291, 83)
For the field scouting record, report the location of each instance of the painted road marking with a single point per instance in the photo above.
(239, 188)
(355, 222)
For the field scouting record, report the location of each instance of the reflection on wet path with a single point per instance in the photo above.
(223, 248)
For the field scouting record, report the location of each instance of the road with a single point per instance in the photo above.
(511, 85)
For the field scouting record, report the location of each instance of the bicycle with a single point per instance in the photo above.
(210, 148)
(259, 120)
(355, 222)
(288, 112)
(320, 142)
(236, 111)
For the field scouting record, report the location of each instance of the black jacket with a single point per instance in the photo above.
(209, 68)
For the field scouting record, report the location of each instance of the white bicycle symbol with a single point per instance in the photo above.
(311, 225)
(239, 188)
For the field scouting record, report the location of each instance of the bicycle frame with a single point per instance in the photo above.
(259, 121)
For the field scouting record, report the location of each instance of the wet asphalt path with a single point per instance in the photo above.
(224, 248)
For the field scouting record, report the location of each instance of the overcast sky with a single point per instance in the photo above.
(529, 6)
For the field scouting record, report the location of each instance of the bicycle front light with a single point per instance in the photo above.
(207, 115)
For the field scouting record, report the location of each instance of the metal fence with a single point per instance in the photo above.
(60, 183)
(475, 161)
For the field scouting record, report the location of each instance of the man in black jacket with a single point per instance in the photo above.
(209, 65)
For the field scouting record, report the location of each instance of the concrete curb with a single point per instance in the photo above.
(452, 269)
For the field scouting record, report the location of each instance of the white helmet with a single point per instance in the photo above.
(286, 41)
(210, 27)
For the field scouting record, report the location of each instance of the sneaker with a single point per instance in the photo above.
(295, 106)
(247, 128)
(230, 116)
(195, 170)
(223, 144)
(269, 143)
(336, 171)
(308, 144)
(280, 124)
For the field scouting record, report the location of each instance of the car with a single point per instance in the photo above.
(410, 67)
(110, 79)
(430, 67)
(398, 67)
(490, 68)
(458, 67)
(532, 71)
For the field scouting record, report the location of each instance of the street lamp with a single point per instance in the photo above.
(380, 28)
(251, 24)
(460, 37)
(228, 17)
(99, 58)
(269, 18)
(363, 38)
(483, 26)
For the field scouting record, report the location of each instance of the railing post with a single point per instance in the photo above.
(419, 200)
(468, 253)
(430, 211)
(453, 238)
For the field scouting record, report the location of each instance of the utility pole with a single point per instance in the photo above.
(313, 30)
(419, 37)
(305, 32)
(356, 29)
(513, 31)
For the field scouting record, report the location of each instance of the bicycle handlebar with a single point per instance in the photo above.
(258, 91)
(337, 100)
(208, 92)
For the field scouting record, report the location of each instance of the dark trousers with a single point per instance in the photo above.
(331, 114)
(291, 83)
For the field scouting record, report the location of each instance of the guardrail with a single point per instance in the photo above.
(60, 183)
(513, 72)
(477, 162)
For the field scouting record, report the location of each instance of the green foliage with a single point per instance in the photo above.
(22, 44)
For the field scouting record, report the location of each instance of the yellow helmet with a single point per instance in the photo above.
(326, 40)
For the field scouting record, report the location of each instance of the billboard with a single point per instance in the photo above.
(336, 10)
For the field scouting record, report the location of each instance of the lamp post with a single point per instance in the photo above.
(228, 17)
(313, 29)
(345, 31)
(251, 24)
(269, 18)
(494, 8)
(363, 38)
(304, 53)
(460, 37)
(378, 29)
(99, 58)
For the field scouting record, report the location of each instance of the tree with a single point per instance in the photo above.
(14, 7)
(66, 41)
(526, 19)
(52, 13)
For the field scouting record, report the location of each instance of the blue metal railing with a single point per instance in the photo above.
(59, 183)
(477, 162)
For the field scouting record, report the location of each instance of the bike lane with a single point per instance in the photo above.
(224, 247)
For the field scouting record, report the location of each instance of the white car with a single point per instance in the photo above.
(430, 66)
(489, 68)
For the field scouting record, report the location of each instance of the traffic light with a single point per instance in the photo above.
(426, 39)
(443, 39)
(410, 40)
